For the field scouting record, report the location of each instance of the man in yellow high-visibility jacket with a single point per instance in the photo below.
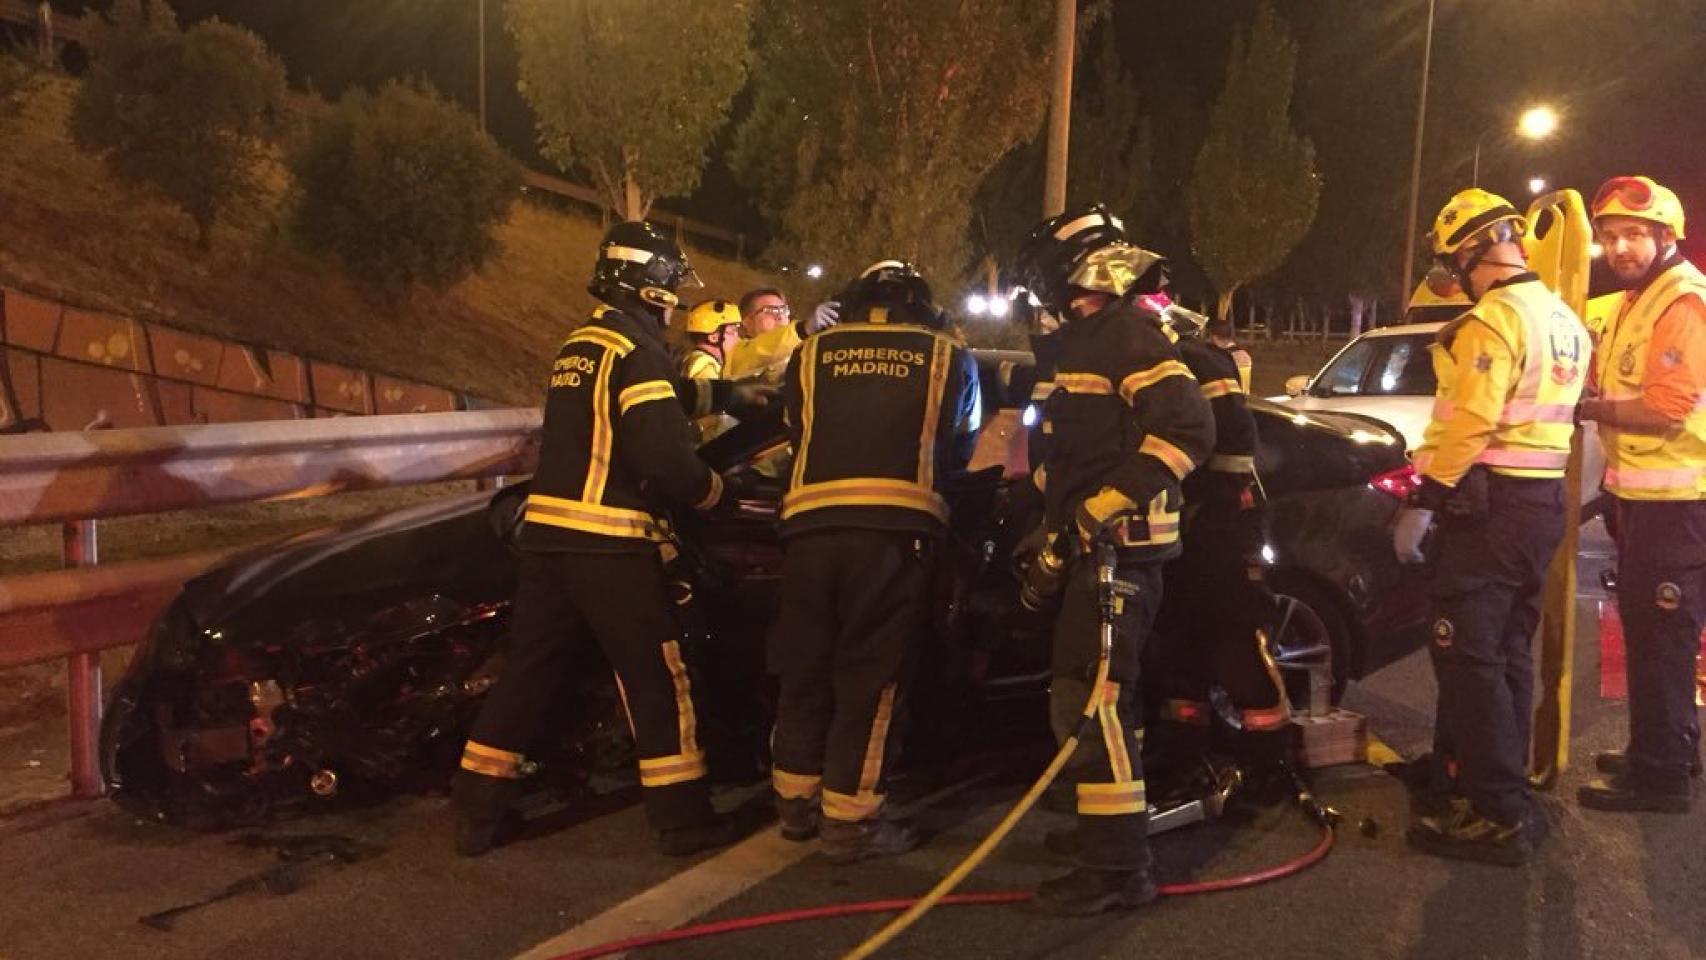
(1650, 370)
(1492, 466)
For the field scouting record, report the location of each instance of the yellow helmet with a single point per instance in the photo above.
(1641, 198)
(712, 315)
(1469, 215)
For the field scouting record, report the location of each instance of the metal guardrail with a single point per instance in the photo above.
(75, 478)
(580, 193)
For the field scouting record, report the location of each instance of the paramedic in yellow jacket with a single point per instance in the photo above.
(770, 335)
(1650, 370)
(1492, 466)
(712, 328)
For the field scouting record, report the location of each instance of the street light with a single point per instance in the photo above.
(1537, 185)
(1538, 123)
(1535, 123)
(814, 271)
(977, 304)
(1416, 158)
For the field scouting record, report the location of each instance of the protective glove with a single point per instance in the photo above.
(1409, 532)
(825, 315)
(749, 397)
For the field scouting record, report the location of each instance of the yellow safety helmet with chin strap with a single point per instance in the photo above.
(712, 315)
(1472, 215)
(1642, 198)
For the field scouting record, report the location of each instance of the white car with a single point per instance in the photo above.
(1388, 374)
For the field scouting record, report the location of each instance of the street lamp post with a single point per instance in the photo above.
(1060, 110)
(1416, 160)
(1536, 123)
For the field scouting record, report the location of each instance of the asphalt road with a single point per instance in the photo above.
(79, 875)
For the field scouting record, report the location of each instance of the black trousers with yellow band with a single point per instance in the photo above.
(855, 603)
(564, 600)
(1107, 768)
(1215, 623)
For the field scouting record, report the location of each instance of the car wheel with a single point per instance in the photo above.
(1310, 638)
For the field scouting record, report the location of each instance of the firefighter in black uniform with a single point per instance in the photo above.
(617, 450)
(881, 410)
(1218, 608)
(1126, 423)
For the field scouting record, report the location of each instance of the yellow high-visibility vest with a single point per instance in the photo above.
(1645, 466)
(1551, 350)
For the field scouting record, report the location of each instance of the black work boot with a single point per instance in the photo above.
(799, 817)
(1615, 763)
(1085, 892)
(850, 841)
(1622, 794)
(1063, 843)
(484, 818)
(1459, 833)
(719, 831)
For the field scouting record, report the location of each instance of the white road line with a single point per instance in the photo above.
(700, 889)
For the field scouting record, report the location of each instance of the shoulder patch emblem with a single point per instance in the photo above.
(1444, 632)
(1626, 362)
(1483, 363)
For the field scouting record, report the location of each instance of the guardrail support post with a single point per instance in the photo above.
(83, 678)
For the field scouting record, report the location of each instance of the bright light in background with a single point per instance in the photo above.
(1537, 185)
(1267, 553)
(1595, 250)
(1538, 123)
(814, 271)
(1030, 416)
(999, 307)
(977, 305)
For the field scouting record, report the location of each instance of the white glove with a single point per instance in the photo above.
(824, 315)
(1408, 531)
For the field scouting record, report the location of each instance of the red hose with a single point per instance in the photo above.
(698, 931)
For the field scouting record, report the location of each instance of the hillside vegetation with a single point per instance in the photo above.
(68, 231)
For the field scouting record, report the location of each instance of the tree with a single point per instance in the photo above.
(874, 121)
(631, 92)
(401, 186)
(1254, 190)
(186, 112)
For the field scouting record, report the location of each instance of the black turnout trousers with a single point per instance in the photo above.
(621, 601)
(855, 604)
(1107, 768)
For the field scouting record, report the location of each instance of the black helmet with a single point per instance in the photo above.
(636, 259)
(896, 286)
(1053, 251)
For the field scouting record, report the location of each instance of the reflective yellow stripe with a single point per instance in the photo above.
(1039, 478)
(864, 492)
(851, 806)
(700, 365)
(594, 518)
(643, 392)
(808, 388)
(1232, 463)
(932, 413)
(665, 771)
(1107, 502)
(1148, 378)
(687, 722)
(608, 339)
(1220, 388)
(490, 761)
(713, 495)
(1112, 799)
(1042, 391)
(1176, 460)
(795, 786)
(598, 461)
(872, 771)
(1113, 738)
(1089, 383)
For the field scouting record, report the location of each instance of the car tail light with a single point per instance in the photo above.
(1399, 483)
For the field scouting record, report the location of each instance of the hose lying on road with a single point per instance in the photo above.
(1107, 590)
(830, 911)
